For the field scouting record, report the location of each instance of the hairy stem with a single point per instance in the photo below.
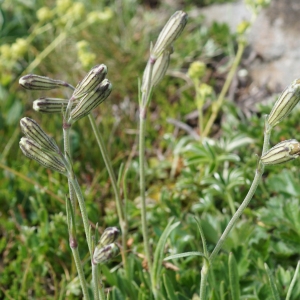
(120, 210)
(238, 213)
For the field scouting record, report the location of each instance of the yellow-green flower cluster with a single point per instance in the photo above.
(44, 14)
(85, 56)
(197, 70)
(100, 16)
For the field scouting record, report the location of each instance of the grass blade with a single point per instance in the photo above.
(169, 288)
(185, 254)
(158, 255)
(272, 283)
(289, 293)
(233, 277)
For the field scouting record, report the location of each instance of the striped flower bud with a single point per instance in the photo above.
(169, 33)
(285, 103)
(104, 254)
(33, 131)
(90, 81)
(36, 82)
(159, 69)
(91, 101)
(34, 151)
(282, 152)
(52, 105)
(109, 235)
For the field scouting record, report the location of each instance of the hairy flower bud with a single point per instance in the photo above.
(36, 82)
(52, 105)
(169, 33)
(159, 69)
(34, 151)
(109, 235)
(91, 100)
(282, 152)
(90, 81)
(104, 254)
(33, 130)
(285, 103)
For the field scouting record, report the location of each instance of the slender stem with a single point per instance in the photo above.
(83, 211)
(67, 148)
(204, 275)
(102, 295)
(238, 213)
(143, 108)
(95, 281)
(74, 247)
(258, 175)
(79, 268)
(217, 105)
(120, 209)
(143, 188)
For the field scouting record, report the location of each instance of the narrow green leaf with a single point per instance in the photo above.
(289, 293)
(222, 290)
(202, 237)
(233, 277)
(185, 254)
(169, 288)
(158, 255)
(272, 283)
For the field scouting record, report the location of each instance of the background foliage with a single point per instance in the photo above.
(185, 178)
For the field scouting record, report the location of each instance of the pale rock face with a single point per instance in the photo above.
(274, 39)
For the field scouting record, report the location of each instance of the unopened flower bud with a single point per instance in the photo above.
(90, 81)
(91, 100)
(159, 69)
(36, 82)
(169, 33)
(285, 103)
(282, 152)
(34, 151)
(104, 254)
(109, 235)
(33, 131)
(52, 105)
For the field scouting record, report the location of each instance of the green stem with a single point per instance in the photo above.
(143, 188)
(95, 281)
(79, 268)
(83, 211)
(217, 105)
(120, 210)
(74, 247)
(102, 295)
(258, 174)
(204, 275)
(238, 213)
(143, 109)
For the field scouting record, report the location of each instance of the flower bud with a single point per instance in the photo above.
(90, 81)
(34, 151)
(104, 254)
(169, 33)
(91, 100)
(282, 152)
(159, 69)
(33, 131)
(36, 82)
(51, 105)
(109, 236)
(285, 103)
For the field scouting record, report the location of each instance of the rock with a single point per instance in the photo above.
(274, 38)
